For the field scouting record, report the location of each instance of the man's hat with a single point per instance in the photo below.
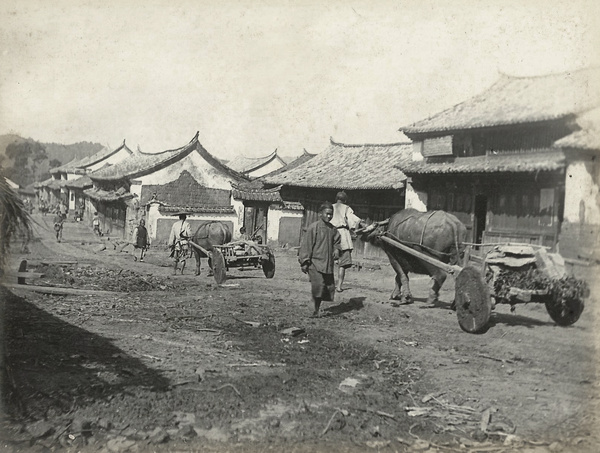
(178, 213)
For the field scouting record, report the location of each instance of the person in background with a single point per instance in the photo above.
(96, 224)
(140, 239)
(58, 226)
(344, 220)
(319, 247)
(62, 207)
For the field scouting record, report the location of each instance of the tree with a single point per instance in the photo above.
(54, 163)
(13, 218)
(26, 158)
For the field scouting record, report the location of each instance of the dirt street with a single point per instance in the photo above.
(179, 363)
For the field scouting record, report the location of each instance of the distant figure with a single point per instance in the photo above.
(62, 208)
(81, 210)
(320, 245)
(140, 239)
(344, 220)
(96, 224)
(58, 226)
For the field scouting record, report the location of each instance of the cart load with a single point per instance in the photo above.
(521, 273)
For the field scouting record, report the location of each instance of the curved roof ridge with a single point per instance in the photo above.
(357, 145)
(195, 139)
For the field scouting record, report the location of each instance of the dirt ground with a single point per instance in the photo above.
(178, 363)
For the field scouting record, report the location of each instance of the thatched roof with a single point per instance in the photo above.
(350, 167)
(140, 163)
(518, 100)
(530, 162)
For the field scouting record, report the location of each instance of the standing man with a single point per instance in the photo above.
(140, 239)
(320, 245)
(181, 231)
(58, 225)
(344, 220)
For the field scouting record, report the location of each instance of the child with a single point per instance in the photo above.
(140, 239)
(320, 245)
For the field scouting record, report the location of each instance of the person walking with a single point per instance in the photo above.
(319, 247)
(58, 226)
(140, 239)
(181, 232)
(96, 224)
(344, 220)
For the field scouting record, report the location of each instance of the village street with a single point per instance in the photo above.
(179, 363)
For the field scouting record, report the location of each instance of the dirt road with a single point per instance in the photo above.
(182, 364)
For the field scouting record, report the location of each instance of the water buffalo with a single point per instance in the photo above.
(209, 234)
(435, 233)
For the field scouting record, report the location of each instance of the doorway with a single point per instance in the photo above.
(480, 211)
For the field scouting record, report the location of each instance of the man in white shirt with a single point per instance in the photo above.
(344, 220)
(181, 231)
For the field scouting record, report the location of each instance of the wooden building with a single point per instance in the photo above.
(154, 186)
(492, 159)
(369, 173)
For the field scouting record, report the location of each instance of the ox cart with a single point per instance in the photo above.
(508, 274)
(239, 254)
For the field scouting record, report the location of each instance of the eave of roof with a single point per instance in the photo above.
(140, 163)
(256, 194)
(167, 209)
(249, 164)
(107, 195)
(532, 162)
(518, 100)
(350, 167)
(79, 183)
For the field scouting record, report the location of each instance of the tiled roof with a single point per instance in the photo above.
(305, 157)
(248, 164)
(55, 184)
(80, 183)
(350, 167)
(171, 210)
(589, 135)
(43, 183)
(140, 163)
(256, 194)
(185, 191)
(518, 100)
(544, 160)
(108, 195)
(78, 165)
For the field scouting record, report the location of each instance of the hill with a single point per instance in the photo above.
(27, 160)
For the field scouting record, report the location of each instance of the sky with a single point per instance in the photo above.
(253, 76)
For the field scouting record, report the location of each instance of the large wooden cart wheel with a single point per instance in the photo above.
(268, 265)
(219, 268)
(473, 301)
(566, 313)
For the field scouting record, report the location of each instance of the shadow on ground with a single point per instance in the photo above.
(51, 363)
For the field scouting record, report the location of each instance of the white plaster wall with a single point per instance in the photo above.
(274, 218)
(202, 171)
(153, 215)
(275, 164)
(414, 199)
(115, 158)
(582, 193)
(136, 189)
(417, 153)
(72, 176)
